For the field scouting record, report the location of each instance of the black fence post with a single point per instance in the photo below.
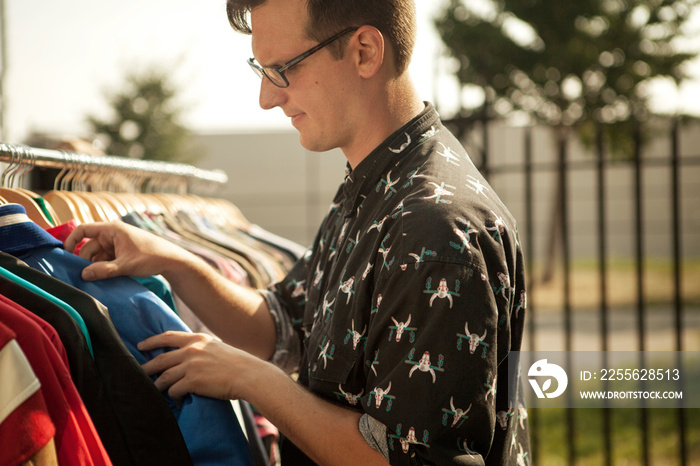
(486, 146)
(603, 280)
(529, 260)
(563, 168)
(677, 275)
(639, 263)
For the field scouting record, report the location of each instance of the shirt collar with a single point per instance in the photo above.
(18, 234)
(366, 175)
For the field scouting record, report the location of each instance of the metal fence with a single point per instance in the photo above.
(596, 212)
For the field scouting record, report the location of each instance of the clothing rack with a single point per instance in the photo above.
(30, 156)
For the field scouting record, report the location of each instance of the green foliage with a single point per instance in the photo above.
(146, 121)
(567, 64)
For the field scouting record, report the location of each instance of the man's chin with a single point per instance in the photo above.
(312, 144)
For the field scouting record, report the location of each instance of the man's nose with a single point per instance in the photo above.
(271, 96)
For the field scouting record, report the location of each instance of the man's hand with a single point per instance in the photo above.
(120, 249)
(200, 364)
(237, 314)
(203, 365)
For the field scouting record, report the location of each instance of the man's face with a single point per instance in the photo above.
(316, 99)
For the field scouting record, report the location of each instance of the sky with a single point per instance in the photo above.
(62, 55)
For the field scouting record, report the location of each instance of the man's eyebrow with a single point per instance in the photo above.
(275, 64)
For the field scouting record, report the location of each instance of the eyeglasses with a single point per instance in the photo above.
(277, 76)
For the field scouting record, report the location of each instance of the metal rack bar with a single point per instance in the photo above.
(9, 153)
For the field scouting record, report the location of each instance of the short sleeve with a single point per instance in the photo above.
(288, 346)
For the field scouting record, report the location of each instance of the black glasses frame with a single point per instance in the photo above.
(273, 73)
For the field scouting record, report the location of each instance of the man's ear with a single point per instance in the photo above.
(370, 50)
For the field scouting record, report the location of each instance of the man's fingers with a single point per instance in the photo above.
(167, 364)
(160, 363)
(90, 249)
(85, 230)
(179, 389)
(100, 271)
(168, 378)
(75, 237)
(171, 338)
(173, 380)
(164, 362)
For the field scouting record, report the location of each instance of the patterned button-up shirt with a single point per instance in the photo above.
(409, 301)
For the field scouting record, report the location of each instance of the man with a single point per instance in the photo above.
(400, 317)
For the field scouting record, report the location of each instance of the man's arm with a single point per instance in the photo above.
(239, 315)
(327, 433)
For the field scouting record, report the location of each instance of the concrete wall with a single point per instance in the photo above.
(274, 181)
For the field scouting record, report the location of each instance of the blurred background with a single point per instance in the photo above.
(582, 115)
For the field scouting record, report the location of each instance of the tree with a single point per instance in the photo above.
(569, 65)
(580, 66)
(147, 121)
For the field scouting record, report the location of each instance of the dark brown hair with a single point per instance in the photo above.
(395, 19)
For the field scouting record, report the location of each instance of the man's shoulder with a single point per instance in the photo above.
(439, 196)
(448, 208)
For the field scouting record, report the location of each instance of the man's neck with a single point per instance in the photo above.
(399, 104)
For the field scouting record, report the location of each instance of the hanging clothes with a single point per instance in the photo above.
(217, 243)
(210, 428)
(214, 229)
(25, 424)
(162, 289)
(77, 442)
(293, 250)
(130, 415)
(199, 229)
(212, 239)
(63, 305)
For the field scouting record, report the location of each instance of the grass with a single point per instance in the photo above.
(626, 438)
